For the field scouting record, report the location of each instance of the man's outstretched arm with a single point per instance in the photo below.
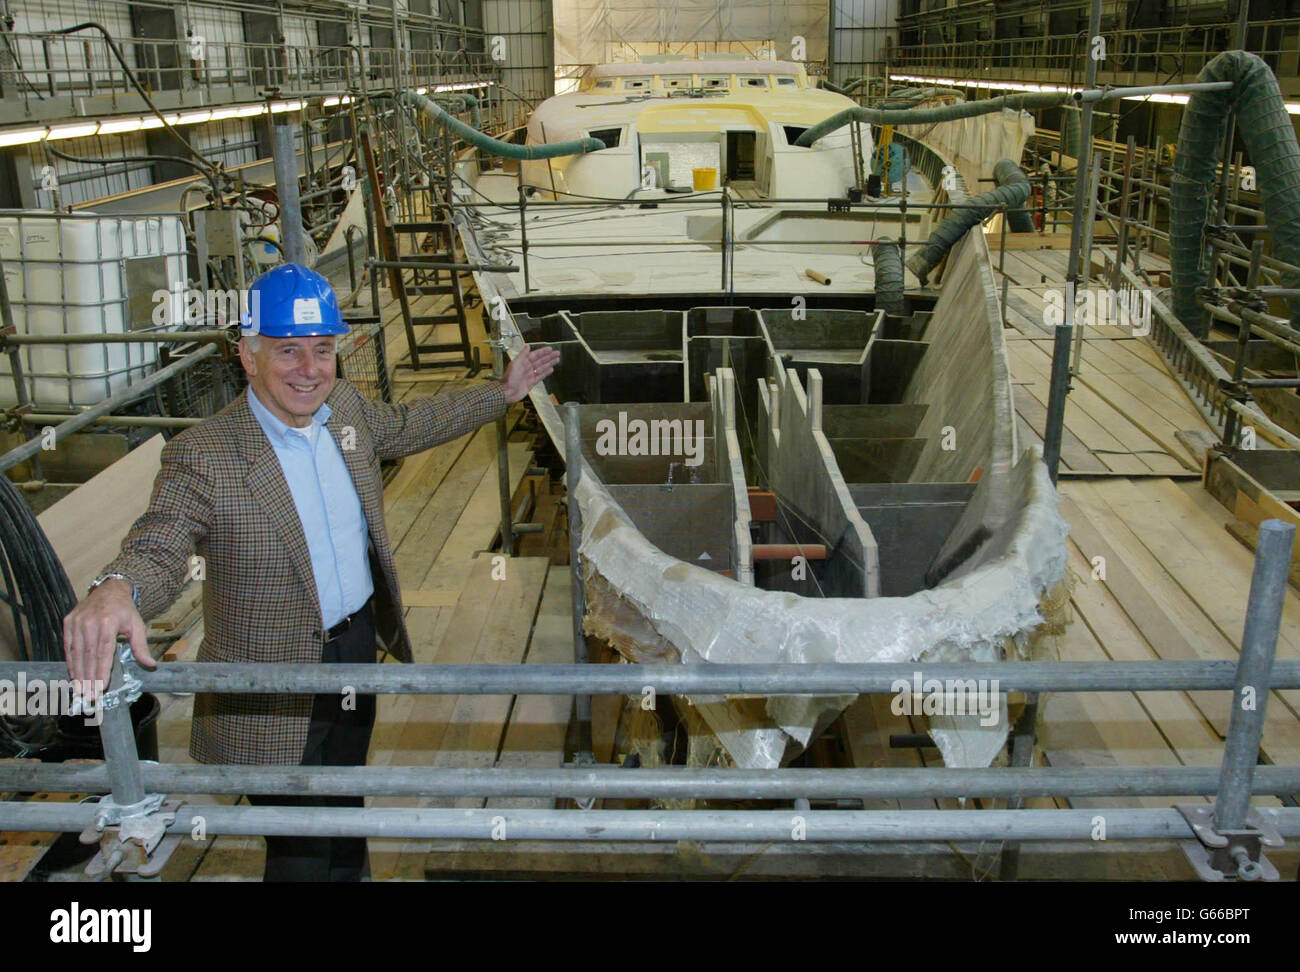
(154, 562)
(400, 430)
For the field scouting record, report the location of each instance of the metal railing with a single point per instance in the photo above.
(1131, 54)
(1232, 832)
(77, 74)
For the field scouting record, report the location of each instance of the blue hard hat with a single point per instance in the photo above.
(292, 301)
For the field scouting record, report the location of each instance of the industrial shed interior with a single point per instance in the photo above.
(837, 439)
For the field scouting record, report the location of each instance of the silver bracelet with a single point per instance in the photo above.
(135, 591)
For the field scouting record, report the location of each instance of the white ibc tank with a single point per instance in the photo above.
(67, 274)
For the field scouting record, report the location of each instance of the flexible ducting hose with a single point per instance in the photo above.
(459, 99)
(908, 97)
(925, 116)
(465, 101)
(494, 146)
(888, 262)
(1006, 173)
(975, 210)
(1271, 144)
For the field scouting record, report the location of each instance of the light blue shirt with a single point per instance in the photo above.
(328, 507)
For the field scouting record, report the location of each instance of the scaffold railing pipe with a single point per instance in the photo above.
(418, 823)
(765, 679)
(663, 782)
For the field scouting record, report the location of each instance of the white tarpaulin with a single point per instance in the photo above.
(589, 31)
(976, 144)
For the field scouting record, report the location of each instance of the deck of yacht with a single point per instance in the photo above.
(582, 249)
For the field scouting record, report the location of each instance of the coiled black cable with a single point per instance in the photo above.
(37, 590)
(38, 594)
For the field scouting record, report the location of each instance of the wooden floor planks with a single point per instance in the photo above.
(1124, 409)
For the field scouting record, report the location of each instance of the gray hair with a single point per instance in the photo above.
(254, 342)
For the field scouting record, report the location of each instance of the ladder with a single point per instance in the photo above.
(426, 275)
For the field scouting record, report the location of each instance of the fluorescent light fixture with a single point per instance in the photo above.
(330, 102)
(221, 114)
(247, 111)
(462, 86)
(421, 90)
(279, 106)
(73, 131)
(195, 117)
(116, 126)
(21, 136)
(153, 121)
(1162, 97)
(982, 83)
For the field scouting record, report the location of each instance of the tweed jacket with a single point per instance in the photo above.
(221, 494)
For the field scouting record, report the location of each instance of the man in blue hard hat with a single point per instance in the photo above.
(280, 496)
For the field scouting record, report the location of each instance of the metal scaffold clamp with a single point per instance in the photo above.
(132, 840)
(110, 813)
(583, 760)
(131, 688)
(1229, 855)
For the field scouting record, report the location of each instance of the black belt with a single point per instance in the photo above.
(342, 627)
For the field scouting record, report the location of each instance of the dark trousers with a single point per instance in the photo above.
(338, 736)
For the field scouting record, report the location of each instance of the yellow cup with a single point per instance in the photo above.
(704, 179)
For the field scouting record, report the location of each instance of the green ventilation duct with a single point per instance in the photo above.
(1269, 135)
(494, 146)
(975, 210)
(888, 262)
(1006, 173)
(927, 116)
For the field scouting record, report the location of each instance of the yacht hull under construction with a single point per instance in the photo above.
(786, 468)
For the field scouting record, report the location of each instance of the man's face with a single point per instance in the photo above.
(291, 376)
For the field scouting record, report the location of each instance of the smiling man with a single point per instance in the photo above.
(280, 497)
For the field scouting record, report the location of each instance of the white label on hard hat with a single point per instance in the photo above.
(306, 310)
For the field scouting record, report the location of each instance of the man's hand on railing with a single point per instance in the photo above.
(91, 630)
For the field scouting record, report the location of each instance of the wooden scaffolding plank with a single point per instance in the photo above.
(412, 489)
(1099, 728)
(1107, 434)
(1174, 624)
(1208, 564)
(478, 522)
(535, 735)
(1183, 726)
(1075, 457)
(424, 540)
(490, 625)
(538, 723)
(1138, 410)
(85, 529)
(474, 734)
